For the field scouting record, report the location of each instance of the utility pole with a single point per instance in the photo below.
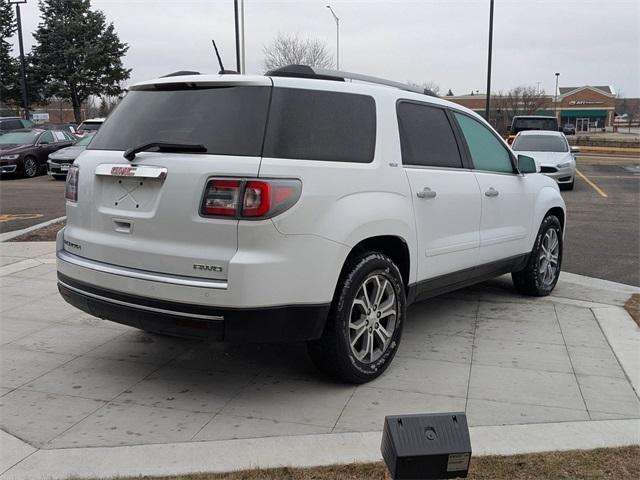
(488, 103)
(555, 101)
(335, 17)
(23, 73)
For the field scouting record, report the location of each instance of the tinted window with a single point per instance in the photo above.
(487, 152)
(317, 125)
(426, 137)
(533, 123)
(540, 143)
(10, 124)
(90, 126)
(226, 120)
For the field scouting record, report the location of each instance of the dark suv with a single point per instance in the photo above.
(14, 123)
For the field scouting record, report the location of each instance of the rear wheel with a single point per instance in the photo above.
(30, 167)
(541, 274)
(365, 322)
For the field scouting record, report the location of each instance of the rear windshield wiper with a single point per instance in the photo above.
(130, 154)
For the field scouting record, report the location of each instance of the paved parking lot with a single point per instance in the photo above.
(28, 201)
(70, 380)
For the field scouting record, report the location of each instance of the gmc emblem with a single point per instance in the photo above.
(123, 171)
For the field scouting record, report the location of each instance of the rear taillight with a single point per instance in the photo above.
(251, 199)
(71, 187)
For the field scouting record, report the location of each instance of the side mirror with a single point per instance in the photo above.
(526, 164)
(575, 149)
(43, 143)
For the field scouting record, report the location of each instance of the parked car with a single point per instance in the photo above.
(25, 151)
(14, 123)
(70, 127)
(90, 125)
(59, 161)
(552, 153)
(298, 206)
(521, 123)
(569, 129)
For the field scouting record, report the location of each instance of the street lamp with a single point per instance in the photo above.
(555, 101)
(23, 80)
(335, 17)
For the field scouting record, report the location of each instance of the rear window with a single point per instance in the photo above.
(227, 120)
(90, 126)
(320, 125)
(540, 143)
(533, 123)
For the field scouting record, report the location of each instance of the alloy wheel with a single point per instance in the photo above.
(372, 319)
(30, 167)
(548, 257)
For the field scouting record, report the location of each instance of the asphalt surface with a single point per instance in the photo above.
(602, 238)
(28, 201)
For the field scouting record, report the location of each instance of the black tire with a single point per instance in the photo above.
(530, 280)
(567, 186)
(333, 353)
(58, 177)
(30, 167)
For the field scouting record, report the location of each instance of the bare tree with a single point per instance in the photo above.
(522, 100)
(293, 50)
(433, 86)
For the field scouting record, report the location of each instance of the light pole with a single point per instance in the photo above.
(555, 100)
(335, 17)
(486, 109)
(23, 75)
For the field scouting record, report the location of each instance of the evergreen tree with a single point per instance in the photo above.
(9, 83)
(77, 53)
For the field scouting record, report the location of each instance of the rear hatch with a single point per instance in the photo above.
(144, 213)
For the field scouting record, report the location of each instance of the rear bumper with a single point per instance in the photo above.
(269, 324)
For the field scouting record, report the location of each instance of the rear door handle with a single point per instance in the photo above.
(492, 192)
(426, 193)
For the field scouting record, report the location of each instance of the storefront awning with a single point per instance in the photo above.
(583, 113)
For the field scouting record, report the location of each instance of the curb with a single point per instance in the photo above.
(16, 233)
(298, 451)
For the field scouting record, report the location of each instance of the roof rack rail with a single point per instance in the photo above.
(305, 71)
(180, 73)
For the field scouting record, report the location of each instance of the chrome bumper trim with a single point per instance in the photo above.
(141, 307)
(140, 274)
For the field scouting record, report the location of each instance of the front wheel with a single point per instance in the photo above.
(541, 274)
(30, 167)
(365, 322)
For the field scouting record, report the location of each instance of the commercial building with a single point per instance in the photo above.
(587, 107)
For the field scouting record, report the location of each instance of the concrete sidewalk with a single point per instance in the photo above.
(532, 374)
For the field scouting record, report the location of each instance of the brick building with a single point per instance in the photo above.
(584, 106)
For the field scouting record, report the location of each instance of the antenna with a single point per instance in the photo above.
(222, 70)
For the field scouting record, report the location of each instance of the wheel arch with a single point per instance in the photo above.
(548, 201)
(393, 246)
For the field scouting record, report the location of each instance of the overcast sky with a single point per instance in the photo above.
(590, 42)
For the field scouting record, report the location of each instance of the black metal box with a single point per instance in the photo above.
(426, 446)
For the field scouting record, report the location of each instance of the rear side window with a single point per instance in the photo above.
(426, 137)
(319, 125)
(10, 124)
(228, 120)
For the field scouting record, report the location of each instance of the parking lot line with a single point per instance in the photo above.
(591, 184)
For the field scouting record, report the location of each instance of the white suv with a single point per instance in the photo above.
(297, 206)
